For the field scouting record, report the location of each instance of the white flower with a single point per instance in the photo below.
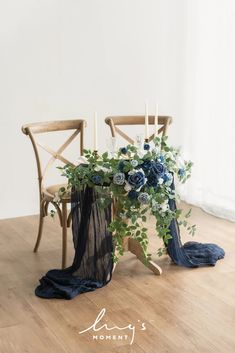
(134, 163)
(99, 168)
(180, 162)
(160, 181)
(169, 155)
(127, 186)
(141, 153)
(164, 206)
(156, 150)
(82, 160)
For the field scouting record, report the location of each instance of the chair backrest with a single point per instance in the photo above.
(115, 121)
(52, 126)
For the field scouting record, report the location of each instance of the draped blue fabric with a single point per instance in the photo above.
(191, 254)
(92, 265)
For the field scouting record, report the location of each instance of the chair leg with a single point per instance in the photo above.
(64, 234)
(41, 221)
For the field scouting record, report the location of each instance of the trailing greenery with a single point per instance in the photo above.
(140, 182)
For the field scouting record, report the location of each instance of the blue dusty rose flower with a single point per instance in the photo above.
(136, 180)
(161, 159)
(119, 178)
(167, 177)
(96, 179)
(132, 194)
(146, 165)
(121, 165)
(134, 163)
(158, 169)
(152, 180)
(146, 146)
(144, 198)
(123, 150)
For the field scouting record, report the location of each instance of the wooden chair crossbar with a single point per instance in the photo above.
(57, 154)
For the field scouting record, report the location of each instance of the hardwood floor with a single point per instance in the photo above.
(184, 310)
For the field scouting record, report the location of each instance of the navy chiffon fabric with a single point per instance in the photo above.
(191, 254)
(92, 265)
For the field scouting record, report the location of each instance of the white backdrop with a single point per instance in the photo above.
(209, 106)
(66, 58)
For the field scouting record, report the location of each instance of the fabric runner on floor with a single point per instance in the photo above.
(92, 265)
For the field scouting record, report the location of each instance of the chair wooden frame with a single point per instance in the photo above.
(46, 194)
(114, 122)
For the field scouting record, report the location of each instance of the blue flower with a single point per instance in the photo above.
(136, 180)
(119, 178)
(146, 165)
(123, 150)
(121, 166)
(181, 172)
(158, 169)
(132, 194)
(161, 159)
(146, 146)
(144, 198)
(166, 177)
(152, 180)
(96, 179)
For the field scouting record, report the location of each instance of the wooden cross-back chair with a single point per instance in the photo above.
(116, 121)
(47, 194)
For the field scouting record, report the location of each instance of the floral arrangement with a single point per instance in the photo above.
(140, 181)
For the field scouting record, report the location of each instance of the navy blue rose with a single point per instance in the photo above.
(121, 166)
(132, 194)
(158, 169)
(96, 179)
(146, 165)
(123, 150)
(136, 180)
(152, 180)
(146, 147)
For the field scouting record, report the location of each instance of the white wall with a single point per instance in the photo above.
(66, 58)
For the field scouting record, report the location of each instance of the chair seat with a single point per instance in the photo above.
(51, 191)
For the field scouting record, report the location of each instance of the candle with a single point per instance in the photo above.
(95, 132)
(146, 121)
(156, 120)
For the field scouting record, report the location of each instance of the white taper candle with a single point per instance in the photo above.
(156, 120)
(95, 132)
(146, 121)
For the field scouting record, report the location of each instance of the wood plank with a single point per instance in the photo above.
(185, 310)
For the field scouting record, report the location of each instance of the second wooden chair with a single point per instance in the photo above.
(47, 194)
